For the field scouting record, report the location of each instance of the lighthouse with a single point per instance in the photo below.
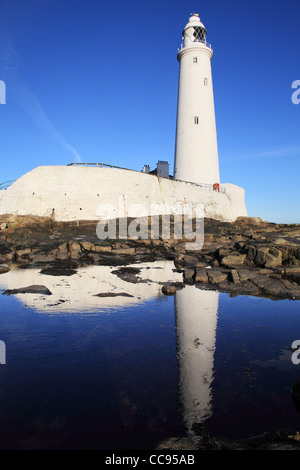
(196, 151)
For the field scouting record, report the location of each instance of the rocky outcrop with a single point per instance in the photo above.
(29, 290)
(113, 294)
(281, 440)
(4, 268)
(170, 288)
(248, 256)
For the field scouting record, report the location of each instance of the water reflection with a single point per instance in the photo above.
(118, 372)
(79, 292)
(196, 319)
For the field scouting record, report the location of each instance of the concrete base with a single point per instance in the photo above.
(82, 193)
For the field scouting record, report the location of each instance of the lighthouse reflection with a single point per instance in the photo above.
(196, 320)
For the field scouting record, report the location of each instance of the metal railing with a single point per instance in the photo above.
(100, 165)
(209, 187)
(205, 43)
(6, 184)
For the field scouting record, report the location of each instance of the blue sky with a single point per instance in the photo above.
(96, 81)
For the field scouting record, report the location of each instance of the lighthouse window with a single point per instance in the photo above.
(199, 34)
(195, 60)
(205, 82)
(196, 119)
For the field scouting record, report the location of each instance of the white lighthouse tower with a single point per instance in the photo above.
(196, 151)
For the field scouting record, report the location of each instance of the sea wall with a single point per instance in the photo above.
(80, 193)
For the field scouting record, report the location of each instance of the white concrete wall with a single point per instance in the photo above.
(79, 193)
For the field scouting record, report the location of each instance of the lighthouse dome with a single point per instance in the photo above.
(194, 31)
(194, 21)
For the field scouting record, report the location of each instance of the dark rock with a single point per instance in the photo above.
(249, 220)
(41, 259)
(111, 259)
(176, 443)
(221, 443)
(260, 257)
(74, 249)
(35, 289)
(60, 269)
(4, 269)
(113, 294)
(216, 275)
(188, 261)
(255, 441)
(273, 258)
(201, 275)
(233, 259)
(189, 275)
(234, 276)
(22, 252)
(276, 288)
(251, 252)
(53, 271)
(295, 277)
(222, 251)
(86, 260)
(280, 445)
(245, 274)
(128, 274)
(168, 289)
